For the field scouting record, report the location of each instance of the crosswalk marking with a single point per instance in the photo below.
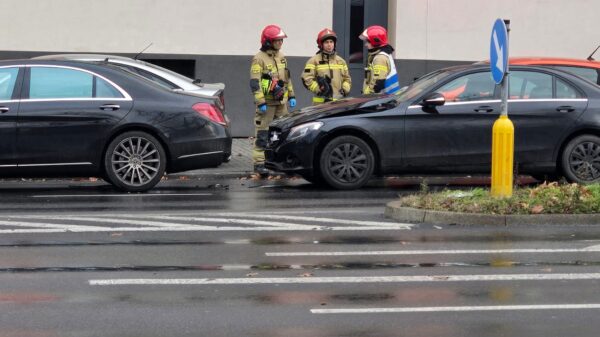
(212, 222)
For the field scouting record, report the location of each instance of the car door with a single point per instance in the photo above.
(458, 134)
(11, 78)
(541, 107)
(66, 116)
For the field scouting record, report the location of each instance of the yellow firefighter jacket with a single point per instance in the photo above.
(267, 68)
(378, 68)
(331, 66)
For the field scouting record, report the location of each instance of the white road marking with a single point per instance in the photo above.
(441, 252)
(455, 309)
(365, 279)
(206, 223)
(119, 221)
(315, 219)
(118, 195)
(33, 225)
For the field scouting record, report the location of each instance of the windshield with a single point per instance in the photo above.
(415, 89)
(172, 73)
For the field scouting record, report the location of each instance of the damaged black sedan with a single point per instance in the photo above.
(442, 123)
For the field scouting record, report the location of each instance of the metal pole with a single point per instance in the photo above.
(504, 85)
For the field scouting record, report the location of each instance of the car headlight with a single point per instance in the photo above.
(302, 129)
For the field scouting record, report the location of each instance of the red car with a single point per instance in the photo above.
(587, 69)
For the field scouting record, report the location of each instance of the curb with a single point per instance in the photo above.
(394, 211)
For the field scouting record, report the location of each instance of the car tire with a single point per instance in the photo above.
(134, 161)
(580, 159)
(347, 162)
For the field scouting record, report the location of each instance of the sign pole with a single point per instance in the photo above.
(503, 130)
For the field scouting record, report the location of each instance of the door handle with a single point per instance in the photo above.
(565, 108)
(112, 107)
(4, 109)
(484, 108)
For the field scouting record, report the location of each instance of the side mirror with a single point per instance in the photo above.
(433, 99)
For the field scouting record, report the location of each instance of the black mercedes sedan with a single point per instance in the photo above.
(442, 123)
(69, 118)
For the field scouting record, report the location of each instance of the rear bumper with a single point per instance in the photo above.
(202, 154)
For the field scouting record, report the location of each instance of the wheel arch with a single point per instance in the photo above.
(142, 128)
(569, 138)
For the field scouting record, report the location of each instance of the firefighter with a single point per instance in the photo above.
(326, 74)
(272, 89)
(380, 70)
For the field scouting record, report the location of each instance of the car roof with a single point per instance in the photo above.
(89, 57)
(555, 61)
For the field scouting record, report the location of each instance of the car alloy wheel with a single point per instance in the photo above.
(581, 159)
(347, 162)
(135, 161)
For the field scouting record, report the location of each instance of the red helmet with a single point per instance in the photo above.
(375, 35)
(270, 33)
(324, 35)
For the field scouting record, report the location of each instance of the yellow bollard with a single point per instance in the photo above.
(503, 137)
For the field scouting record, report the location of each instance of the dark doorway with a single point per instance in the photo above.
(183, 67)
(350, 18)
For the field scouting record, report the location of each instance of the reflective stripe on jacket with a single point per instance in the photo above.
(380, 67)
(331, 66)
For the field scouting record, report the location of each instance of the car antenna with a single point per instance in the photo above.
(590, 58)
(143, 50)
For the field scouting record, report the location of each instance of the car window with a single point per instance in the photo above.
(529, 85)
(565, 90)
(8, 78)
(105, 89)
(156, 79)
(423, 83)
(47, 82)
(170, 72)
(471, 87)
(587, 73)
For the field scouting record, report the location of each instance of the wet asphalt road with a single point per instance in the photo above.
(278, 258)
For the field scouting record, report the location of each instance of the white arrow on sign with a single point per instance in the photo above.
(499, 52)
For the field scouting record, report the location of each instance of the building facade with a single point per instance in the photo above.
(214, 40)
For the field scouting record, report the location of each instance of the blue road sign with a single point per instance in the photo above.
(499, 51)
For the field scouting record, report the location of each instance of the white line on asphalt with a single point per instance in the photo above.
(365, 279)
(120, 221)
(91, 229)
(439, 251)
(118, 195)
(454, 309)
(314, 219)
(33, 225)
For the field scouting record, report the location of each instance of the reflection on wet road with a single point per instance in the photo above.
(287, 260)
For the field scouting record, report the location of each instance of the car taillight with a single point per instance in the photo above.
(210, 111)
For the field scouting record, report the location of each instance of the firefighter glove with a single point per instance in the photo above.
(262, 108)
(324, 86)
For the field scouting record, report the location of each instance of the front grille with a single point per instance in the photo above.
(276, 136)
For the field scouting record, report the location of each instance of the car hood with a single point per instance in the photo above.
(343, 107)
